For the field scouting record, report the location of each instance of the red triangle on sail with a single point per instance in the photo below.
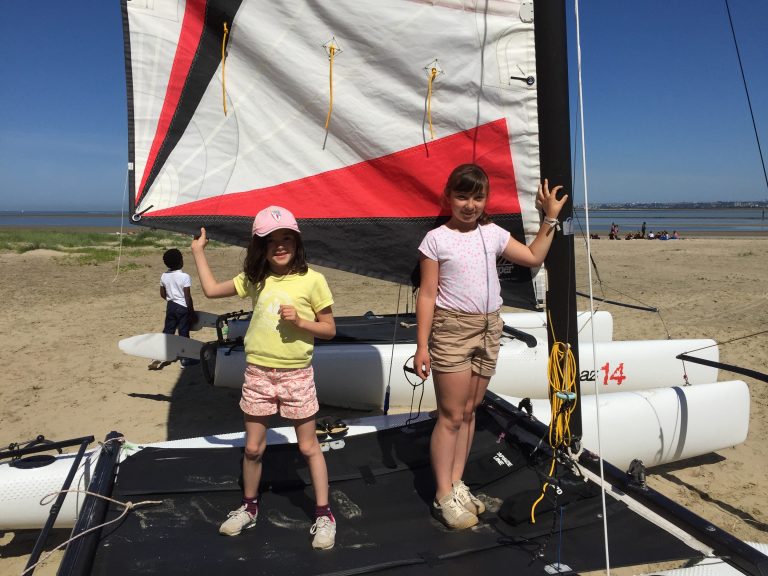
(404, 184)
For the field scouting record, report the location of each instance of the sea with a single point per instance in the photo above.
(684, 221)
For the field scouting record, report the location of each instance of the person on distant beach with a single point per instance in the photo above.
(642, 230)
(175, 289)
(459, 325)
(291, 307)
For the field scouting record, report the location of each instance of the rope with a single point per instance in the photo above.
(746, 91)
(561, 372)
(122, 218)
(223, 68)
(331, 52)
(589, 274)
(127, 507)
(432, 76)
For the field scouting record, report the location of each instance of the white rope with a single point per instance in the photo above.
(127, 507)
(122, 220)
(589, 276)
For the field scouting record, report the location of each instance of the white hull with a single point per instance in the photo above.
(22, 489)
(662, 425)
(356, 375)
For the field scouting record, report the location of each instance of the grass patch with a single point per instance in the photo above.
(89, 248)
(77, 241)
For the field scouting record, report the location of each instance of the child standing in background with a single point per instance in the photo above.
(291, 307)
(175, 289)
(459, 325)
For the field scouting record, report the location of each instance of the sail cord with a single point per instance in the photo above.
(432, 76)
(589, 275)
(331, 52)
(746, 91)
(127, 507)
(122, 220)
(223, 68)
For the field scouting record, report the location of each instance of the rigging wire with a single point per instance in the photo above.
(746, 91)
(643, 306)
(589, 275)
(122, 220)
(685, 356)
(730, 341)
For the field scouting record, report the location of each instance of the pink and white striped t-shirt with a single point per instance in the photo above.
(468, 281)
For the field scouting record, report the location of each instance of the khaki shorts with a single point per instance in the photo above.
(291, 390)
(460, 341)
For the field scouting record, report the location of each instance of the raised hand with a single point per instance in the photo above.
(547, 200)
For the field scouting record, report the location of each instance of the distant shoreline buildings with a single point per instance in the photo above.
(721, 205)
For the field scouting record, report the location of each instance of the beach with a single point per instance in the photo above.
(64, 376)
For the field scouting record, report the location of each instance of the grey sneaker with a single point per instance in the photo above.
(471, 502)
(324, 530)
(452, 513)
(237, 521)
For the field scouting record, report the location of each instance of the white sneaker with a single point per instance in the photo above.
(471, 502)
(237, 521)
(324, 530)
(452, 513)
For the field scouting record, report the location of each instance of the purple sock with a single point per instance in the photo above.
(324, 511)
(251, 505)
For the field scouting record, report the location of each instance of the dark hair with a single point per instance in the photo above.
(471, 179)
(256, 267)
(173, 259)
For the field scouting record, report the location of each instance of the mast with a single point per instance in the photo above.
(555, 159)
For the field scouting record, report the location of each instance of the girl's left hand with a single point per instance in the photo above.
(546, 199)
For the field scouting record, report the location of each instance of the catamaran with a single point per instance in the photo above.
(351, 114)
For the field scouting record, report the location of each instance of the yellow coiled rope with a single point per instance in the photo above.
(561, 372)
(223, 68)
(331, 52)
(432, 76)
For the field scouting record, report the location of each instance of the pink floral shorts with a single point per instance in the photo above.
(292, 390)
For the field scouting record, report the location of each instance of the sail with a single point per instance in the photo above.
(349, 113)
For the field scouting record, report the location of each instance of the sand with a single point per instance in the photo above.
(64, 376)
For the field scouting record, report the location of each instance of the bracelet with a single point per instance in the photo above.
(552, 222)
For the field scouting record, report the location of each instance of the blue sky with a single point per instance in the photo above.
(665, 110)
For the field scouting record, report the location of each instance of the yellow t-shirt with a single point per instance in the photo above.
(277, 343)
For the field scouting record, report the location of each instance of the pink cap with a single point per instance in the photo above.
(273, 218)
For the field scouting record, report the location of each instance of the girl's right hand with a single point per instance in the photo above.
(199, 242)
(422, 363)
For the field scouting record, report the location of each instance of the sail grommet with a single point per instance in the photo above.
(529, 80)
(137, 216)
